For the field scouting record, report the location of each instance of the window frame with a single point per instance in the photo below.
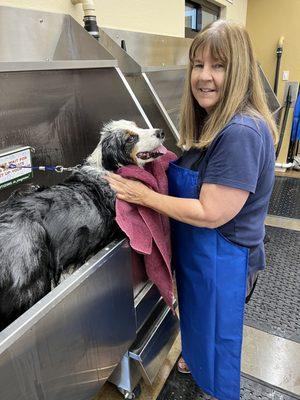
(201, 5)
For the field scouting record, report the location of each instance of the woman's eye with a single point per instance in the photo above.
(219, 66)
(198, 65)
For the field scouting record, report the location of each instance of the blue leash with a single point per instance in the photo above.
(52, 168)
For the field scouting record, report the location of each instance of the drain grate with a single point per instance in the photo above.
(182, 387)
(285, 199)
(275, 304)
(254, 390)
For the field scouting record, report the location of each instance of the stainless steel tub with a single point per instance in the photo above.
(67, 344)
(58, 86)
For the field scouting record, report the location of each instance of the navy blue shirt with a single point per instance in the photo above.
(242, 156)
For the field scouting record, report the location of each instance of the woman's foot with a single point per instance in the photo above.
(182, 366)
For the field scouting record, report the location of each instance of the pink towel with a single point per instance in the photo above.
(147, 230)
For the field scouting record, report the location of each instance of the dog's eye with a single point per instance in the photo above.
(131, 139)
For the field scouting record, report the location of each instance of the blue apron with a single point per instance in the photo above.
(211, 274)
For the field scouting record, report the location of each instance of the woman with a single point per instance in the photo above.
(218, 198)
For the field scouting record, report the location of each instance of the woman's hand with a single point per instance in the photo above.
(127, 189)
(216, 206)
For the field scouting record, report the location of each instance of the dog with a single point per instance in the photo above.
(43, 231)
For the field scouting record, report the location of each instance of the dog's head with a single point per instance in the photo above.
(123, 143)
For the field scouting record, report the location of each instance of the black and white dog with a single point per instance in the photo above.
(43, 231)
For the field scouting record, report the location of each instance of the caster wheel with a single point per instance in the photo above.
(135, 394)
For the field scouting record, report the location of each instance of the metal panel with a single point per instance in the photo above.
(272, 100)
(67, 344)
(126, 63)
(168, 92)
(55, 65)
(167, 88)
(152, 50)
(129, 65)
(127, 375)
(151, 349)
(158, 64)
(145, 302)
(29, 35)
(60, 114)
(153, 110)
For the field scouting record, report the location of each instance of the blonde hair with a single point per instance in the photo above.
(242, 91)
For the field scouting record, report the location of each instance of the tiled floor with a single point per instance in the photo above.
(271, 359)
(292, 173)
(282, 222)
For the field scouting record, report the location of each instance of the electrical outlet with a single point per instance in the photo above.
(285, 75)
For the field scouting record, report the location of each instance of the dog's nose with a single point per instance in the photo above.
(160, 134)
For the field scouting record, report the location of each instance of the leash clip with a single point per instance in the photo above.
(59, 169)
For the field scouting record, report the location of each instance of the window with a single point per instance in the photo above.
(192, 17)
(198, 14)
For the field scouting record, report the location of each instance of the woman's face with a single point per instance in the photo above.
(207, 79)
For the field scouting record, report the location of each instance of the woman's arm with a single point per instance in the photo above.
(216, 205)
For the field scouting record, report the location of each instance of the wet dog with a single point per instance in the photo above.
(43, 231)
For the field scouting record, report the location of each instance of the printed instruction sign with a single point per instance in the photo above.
(19, 157)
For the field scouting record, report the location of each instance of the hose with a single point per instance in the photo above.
(89, 19)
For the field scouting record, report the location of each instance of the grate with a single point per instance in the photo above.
(275, 304)
(182, 387)
(285, 199)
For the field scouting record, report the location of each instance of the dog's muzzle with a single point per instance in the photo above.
(155, 153)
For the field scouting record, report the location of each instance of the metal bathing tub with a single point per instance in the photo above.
(67, 344)
(58, 85)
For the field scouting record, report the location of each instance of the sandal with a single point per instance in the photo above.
(182, 366)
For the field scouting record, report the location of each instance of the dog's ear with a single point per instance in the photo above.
(109, 155)
(106, 128)
(117, 142)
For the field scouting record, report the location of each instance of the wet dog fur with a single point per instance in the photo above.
(45, 230)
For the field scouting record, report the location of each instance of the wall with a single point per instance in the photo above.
(235, 10)
(152, 16)
(59, 6)
(165, 17)
(266, 22)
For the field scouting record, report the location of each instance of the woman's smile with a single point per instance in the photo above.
(206, 91)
